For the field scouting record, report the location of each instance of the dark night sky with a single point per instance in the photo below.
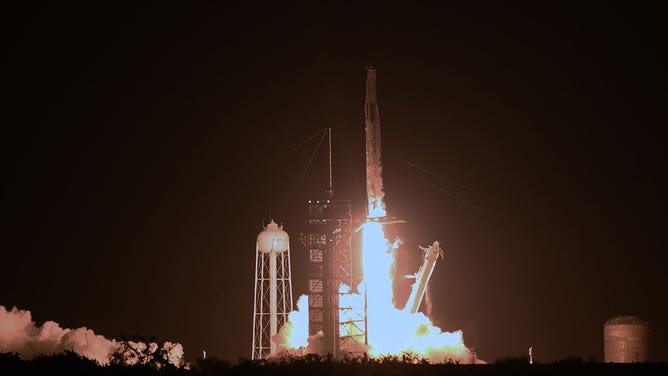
(140, 151)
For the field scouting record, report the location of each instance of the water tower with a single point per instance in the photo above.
(273, 288)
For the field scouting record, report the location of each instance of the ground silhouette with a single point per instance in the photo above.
(71, 363)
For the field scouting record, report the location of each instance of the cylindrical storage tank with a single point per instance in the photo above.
(273, 238)
(625, 340)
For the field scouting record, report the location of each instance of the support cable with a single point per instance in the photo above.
(428, 172)
(306, 168)
(274, 160)
(447, 192)
(436, 186)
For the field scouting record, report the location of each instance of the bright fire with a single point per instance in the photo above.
(395, 331)
(390, 331)
(376, 208)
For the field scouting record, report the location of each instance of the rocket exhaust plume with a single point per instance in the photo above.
(390, 330)
(374, 179)
(20, 334)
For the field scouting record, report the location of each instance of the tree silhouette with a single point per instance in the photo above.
(139, 350)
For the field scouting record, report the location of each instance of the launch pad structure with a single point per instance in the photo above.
(337, 292)
(337, 309)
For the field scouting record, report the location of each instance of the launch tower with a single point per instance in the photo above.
(337, 309)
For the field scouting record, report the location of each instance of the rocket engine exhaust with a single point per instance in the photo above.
(388, 329)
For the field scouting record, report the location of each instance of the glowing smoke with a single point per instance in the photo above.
(294, 333)
(293, 338)
(389, 330)
(392, 331)
(20, 334)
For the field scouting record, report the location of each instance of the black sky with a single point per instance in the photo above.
(140, 150)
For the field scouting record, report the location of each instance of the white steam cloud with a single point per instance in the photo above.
(20, 334)
(293, 338)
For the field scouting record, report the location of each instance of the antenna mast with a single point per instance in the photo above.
(330, 189)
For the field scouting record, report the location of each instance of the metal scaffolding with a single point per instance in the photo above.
(336, 304)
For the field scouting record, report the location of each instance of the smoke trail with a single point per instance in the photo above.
(20, 334)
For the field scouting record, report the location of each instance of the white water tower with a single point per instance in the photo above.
(273, 288)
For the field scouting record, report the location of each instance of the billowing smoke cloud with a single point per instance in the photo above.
(390, 331)
(20, 334)
(293, 339)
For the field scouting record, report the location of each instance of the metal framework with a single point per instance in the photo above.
(273, 294)
(336, 306)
